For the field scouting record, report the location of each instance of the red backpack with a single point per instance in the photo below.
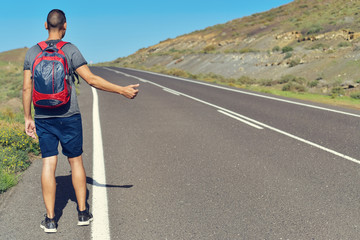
(51, 87)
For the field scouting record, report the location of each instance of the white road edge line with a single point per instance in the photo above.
(240, 119)
(266, 126)
(247, 93)
(100, 225)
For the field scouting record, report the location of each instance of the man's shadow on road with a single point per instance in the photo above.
(65, 192)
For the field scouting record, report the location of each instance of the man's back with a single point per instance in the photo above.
(75, 60)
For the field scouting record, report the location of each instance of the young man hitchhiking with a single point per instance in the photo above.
(49, 70)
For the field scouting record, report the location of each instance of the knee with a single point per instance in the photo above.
(49, 164)
(76, 161)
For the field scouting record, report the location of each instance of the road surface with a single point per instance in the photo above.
(193, 160)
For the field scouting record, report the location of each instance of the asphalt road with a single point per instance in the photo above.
(197, 161)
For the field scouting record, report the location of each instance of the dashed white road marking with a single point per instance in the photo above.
(100, 224)
(171, 91)
(240, 119)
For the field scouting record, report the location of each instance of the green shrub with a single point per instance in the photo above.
(344, 44)
(287, 87)
(294, 87)
(287, 49)
(293, 83)
(337, 92)
(12, 160)
(7, 180)
(300, 80)
(276, 49)
(243, 80)
(355, 95)
(288, 55)
(313, 84)
(14, 148)
(314, 29)
(266, 82)
(209, 49)
(294, 62)
(286, 79)
(18, 140)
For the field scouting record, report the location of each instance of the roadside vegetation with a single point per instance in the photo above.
(287, 86)
(17, 150)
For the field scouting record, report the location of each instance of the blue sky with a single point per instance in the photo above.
(108, 29)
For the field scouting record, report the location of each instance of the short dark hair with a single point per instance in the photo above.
(56, 19)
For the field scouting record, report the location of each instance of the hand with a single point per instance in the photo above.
(30, 129)
(130, 91)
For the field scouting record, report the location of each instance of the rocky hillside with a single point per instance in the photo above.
(315, 40)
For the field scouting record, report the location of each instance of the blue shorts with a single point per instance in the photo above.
(66, 130)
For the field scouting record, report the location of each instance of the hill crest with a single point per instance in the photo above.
(14, 56)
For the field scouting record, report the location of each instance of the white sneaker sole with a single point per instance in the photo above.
(84, 223)
(48, 230)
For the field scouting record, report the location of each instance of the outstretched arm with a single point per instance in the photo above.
(100, 83)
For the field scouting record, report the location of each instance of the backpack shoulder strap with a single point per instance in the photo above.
(60, 44)
(42, 45)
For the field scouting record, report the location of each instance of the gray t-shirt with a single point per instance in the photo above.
(75, 60)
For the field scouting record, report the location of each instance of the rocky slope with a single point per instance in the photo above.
(318, 40)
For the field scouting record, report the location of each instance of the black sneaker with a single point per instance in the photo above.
(85, 217)
(49, 225)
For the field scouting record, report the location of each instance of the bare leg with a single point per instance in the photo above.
(48, 184)
(79, 181)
